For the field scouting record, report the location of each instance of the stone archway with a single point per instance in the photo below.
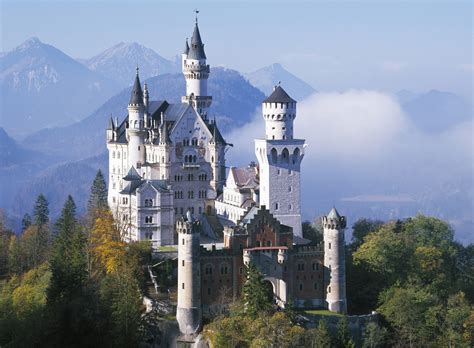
(278, 290)
(269, 290)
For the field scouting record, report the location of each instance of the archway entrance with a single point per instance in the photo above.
(269, 291)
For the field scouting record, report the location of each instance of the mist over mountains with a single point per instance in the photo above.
(410, 155)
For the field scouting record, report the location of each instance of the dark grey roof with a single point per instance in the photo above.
(132, 175)
(186, 47)
(333, 214)
(160, 185)
(111, 124)
(216, 134)
(136, 98)
(279, 96)
(174, 111)
(197, 47)
(131, 187)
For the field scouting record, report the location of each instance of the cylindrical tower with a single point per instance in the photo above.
(189, 312)
(196, 73)
(136, 131)
(279, 111)
(335, 261)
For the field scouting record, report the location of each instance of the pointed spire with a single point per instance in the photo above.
(186, 47)
(136, 97)
(197, 47)
(334, 214)
(111, 125)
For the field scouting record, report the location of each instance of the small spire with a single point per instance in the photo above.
(196, 11)
(186, 47)
(137, 69)
(136, 97)
(111, 123)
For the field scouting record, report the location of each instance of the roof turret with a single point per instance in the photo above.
(136, 98)
(279, 96)
(111, 125)
(186, 47)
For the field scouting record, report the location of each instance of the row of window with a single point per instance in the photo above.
(288, 105)
(193, 142)
(190, 159)
(285, 156)
(179, 194)
(118, 155)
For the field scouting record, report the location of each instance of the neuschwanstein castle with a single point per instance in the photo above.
(168, 184)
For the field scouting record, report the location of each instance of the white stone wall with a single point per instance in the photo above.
(279, 120)
(280, 181)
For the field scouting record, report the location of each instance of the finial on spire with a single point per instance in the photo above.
(137, 69)
(196, 11)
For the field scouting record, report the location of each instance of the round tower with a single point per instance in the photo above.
(136, 130)
(196, 73)
(189, 312)
(335, 261)
(279, 111)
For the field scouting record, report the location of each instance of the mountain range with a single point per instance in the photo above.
(119, 62)
(268, 77)
(43, 87)
(36, 76)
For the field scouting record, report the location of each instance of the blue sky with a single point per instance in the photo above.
(334, 45)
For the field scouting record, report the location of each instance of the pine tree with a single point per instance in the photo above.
(98, 196)
(322, 338)
(41, 211)
(25, 222)
(254, 291)
(68, 263)
(343, 338)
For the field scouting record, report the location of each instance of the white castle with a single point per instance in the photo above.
(166, 159)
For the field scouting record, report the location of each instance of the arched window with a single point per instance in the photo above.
(118, 154)
(274, 155)
(285, 156)
(113, 154)
(296, 155)
(194, 158)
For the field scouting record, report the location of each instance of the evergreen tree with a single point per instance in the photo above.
(374, 335)
(343, 339)
(41, 211)
(25, 222)
(98, 196)
(255, 294)
(322, 337)
(68, 263)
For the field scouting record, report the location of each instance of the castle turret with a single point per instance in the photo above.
(335, 261)
(196, 73)
(279, 156)
(164, 149)
(217, 146)
(189, 311)
(111, 130)
(136, 130)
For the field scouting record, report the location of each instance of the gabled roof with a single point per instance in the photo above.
(197, 47)
(131, 187)
(245, 177)
(279, 96)
(132, 175)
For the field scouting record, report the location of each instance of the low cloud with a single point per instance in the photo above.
(361, 143)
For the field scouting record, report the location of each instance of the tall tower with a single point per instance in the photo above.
(335, 261)
(279, 156)
(189, 312)
(217, 146)
(136, 130)
(196, 73)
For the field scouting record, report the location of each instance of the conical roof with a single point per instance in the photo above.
(132, 175)
(197, 47)
(136, 98)
(279, 96)
(186, 47)
(333, 214)
(111, 124)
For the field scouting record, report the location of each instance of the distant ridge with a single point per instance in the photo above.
(266, 78)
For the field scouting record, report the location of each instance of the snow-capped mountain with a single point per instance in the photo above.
(43, 87)
(120, 61)
(266, 78)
